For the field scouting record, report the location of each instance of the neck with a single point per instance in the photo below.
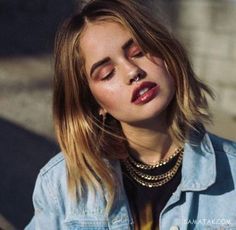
(149, 144)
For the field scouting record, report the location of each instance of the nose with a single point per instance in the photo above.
(134, 72)
(138, 76)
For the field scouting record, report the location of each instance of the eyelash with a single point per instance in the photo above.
(139, 54)
(108, 76)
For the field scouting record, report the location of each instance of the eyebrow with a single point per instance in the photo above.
(99, 63)
(128, 44)
(107, 59)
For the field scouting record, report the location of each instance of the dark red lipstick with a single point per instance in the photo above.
(145, 92)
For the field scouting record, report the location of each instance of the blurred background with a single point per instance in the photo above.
(205, 27)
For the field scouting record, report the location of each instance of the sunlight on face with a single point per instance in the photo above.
(112, 60)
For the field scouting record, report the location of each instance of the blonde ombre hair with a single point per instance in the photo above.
(86, 142)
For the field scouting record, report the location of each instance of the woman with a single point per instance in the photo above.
(129, 116)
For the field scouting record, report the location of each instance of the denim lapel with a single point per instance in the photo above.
(199, 164)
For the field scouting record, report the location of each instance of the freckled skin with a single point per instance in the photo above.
(105, 39)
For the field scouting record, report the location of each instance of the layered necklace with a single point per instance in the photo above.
(136, 170)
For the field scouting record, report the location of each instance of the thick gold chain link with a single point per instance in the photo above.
(153, 181)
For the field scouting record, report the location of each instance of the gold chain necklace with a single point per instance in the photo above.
(160, 163)
(150, 180)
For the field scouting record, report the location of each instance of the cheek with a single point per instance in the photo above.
(163, 77)
(169, 85)
(164, 72)
(107, 97)
(171, 81)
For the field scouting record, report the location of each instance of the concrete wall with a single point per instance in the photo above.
(26, 133)
(208, 31)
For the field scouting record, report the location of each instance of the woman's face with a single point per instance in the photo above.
(130, 85)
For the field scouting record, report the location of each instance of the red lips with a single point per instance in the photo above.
(148, 95)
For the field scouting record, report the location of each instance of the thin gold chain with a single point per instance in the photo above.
(155, 182)
(160, 163)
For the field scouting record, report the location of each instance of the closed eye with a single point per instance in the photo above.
(108, 76)
(135, 51)
(138, 54)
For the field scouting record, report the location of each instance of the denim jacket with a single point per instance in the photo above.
(204, 199)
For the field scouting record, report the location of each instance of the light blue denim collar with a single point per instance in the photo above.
(198, 168)
(199, 164)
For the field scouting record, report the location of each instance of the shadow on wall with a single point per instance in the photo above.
(23, 153)
(166, 11)
(28, 27)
